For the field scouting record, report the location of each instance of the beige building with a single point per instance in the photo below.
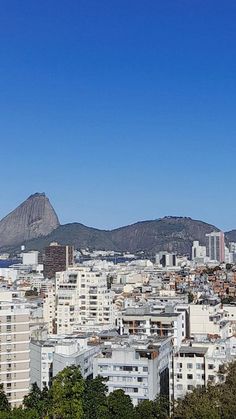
(82, 297)
(14, 347)
(49, 309)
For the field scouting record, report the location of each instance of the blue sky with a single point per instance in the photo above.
(119, 110)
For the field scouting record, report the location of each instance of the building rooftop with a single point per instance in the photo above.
(192, 350)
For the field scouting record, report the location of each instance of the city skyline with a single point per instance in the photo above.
(119, 112)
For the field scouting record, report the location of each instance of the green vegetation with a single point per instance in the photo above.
(190, 297)
(31, 293)
(72, 397)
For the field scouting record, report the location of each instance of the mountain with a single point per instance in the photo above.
(35, 224)
(174, 234)
(33, 218)
(169, 233)
(231, 236)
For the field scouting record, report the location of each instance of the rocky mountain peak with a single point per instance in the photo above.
(33, 218)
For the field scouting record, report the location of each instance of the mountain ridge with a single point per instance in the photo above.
(171, 233)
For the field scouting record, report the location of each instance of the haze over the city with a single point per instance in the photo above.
(119, 111)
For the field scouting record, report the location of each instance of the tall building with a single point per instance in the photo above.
(82, 296)
(216, 246)
(14, 347)
(57, 258)
(166, 259)
(198, 252)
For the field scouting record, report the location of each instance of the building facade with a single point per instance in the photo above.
(138, 366)
(216, 246)
(14, 347)
(57, 258)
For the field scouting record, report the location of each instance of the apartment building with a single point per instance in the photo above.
(49, 357)
(216, 246)
(145, 320)
(212, 319)
(139, 366)
(57, 258)
(14, 347)
(49, 309)
(82, 296)
(199, 363)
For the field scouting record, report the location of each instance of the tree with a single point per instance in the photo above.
(201, 403)
(31, 293)
(153, 409)
(66, 394)
(19, 413)
(120, 406)
(161, 407)
(37, 400)
(95, 399)
(4, 403)
(227, 396)
(190, 297)
(144, 410)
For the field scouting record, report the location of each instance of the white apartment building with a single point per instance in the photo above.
(49, 357)
(14, 347)
(139, 366)
(200, 363)
(30, 258)
(41, 358)
(198, 252)
(82, 296)
(75, 353)
(206, 319)
(145, 320)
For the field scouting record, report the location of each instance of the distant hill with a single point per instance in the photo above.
(231, 236)
(174, 234)
(35, 224)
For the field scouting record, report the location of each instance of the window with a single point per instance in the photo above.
(127, 368)
(210, 366)
(179, 376)
(189, 366)
(179, 365)
(190, 387)
(199, 366)
(189, 376)
(140, 380)
(145, 369)
(179, 386)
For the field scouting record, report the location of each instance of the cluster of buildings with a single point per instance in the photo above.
(149, 327)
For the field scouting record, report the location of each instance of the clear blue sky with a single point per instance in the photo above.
(119, 110)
